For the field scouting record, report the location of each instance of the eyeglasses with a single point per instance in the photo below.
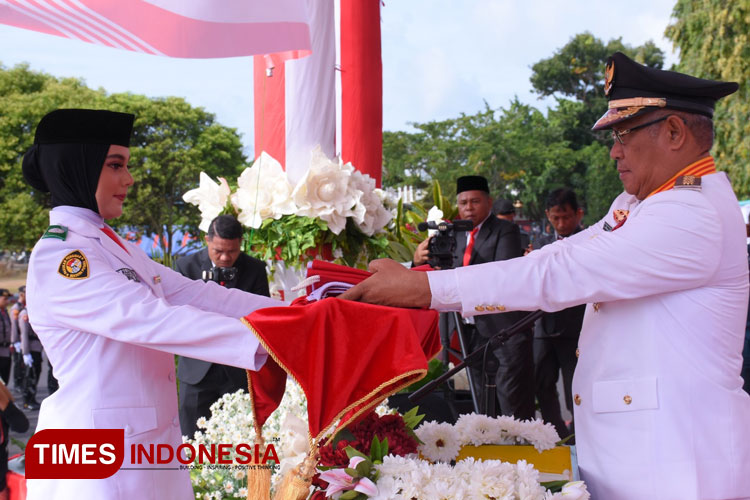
(618, 135)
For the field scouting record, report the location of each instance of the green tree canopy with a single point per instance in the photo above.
(523, 153)
(713, 37)
(172, 143)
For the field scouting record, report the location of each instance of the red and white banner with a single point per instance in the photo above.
(295, 99)
(295, 102)
(174, 28)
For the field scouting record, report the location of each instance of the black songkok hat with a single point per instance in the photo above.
(472, 183)
(70, 146)
(85, 126)
(503, 207)
(634, 89)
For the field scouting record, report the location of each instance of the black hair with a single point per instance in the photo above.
(226, 227)
(561, 197)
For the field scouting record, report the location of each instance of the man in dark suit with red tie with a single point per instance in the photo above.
(492, 239)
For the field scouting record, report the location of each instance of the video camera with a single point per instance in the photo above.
(221, 275)
(442, 244)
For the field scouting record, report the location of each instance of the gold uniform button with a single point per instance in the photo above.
(597, 305)
(479, 308)
(578, 353)
(577, 399)
(500, 308)
(627, 399)
(489, 308)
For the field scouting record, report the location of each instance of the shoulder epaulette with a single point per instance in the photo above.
(59, 232)
(688, 182)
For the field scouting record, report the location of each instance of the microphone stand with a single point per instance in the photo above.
(472, 358)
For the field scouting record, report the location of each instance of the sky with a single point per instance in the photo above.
(441, 58)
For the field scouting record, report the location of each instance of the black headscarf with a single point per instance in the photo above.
(69, 172)
(70, 146)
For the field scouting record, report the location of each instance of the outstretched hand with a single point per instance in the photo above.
(392, 285)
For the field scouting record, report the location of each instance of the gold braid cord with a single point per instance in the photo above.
(296, 483)
(259, 476)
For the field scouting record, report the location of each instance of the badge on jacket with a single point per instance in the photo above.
(129, 274)
(74, 266)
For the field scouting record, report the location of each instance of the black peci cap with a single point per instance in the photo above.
(85, 126)
(503, 207)
(634, 89)
(472, 183)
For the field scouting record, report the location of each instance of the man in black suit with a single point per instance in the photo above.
(492, 239)
(201, 382)
(556, 334)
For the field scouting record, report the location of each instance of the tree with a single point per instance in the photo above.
(574, 75)
(172, 142)
(713, 37)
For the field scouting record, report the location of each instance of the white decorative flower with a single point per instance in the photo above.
(210, 197)
(374, 216)
(263, 192)
(228, 487)
(434, 215)
(478, 429)
(574, 490)
(325, 192)
(440, 441)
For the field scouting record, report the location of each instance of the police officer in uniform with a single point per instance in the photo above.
(19, 368)
(111, 319)
(5, 336)
(31, 350)
(659, 407)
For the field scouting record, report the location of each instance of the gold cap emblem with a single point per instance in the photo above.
(609, 76)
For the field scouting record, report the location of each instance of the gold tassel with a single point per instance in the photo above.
(259, 479)
(296, 483)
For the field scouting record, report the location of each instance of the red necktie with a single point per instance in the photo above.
(470, 246)
(106, 230)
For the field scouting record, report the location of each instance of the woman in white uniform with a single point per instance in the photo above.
(110, 318)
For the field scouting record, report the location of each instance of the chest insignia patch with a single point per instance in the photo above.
(606, 226)
(129, 274)
(620, 215)
(74, 266)
(59, 232)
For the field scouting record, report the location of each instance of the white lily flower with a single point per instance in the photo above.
(210, 197)
(263, 192)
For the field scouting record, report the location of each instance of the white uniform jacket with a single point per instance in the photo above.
(110, 330)
(659, 408)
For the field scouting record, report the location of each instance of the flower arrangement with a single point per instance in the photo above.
(441, 442)
(231, 422)
(403, 478)
(348, 464)
(334, 211)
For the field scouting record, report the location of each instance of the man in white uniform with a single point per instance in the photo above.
(659, 407)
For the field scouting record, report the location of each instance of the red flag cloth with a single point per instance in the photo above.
(174, 28)
(347, 356)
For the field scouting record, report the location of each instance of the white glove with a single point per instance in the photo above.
(28, 360)
(17, 346)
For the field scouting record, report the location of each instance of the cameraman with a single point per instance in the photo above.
(201, 382)
(492, 239)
